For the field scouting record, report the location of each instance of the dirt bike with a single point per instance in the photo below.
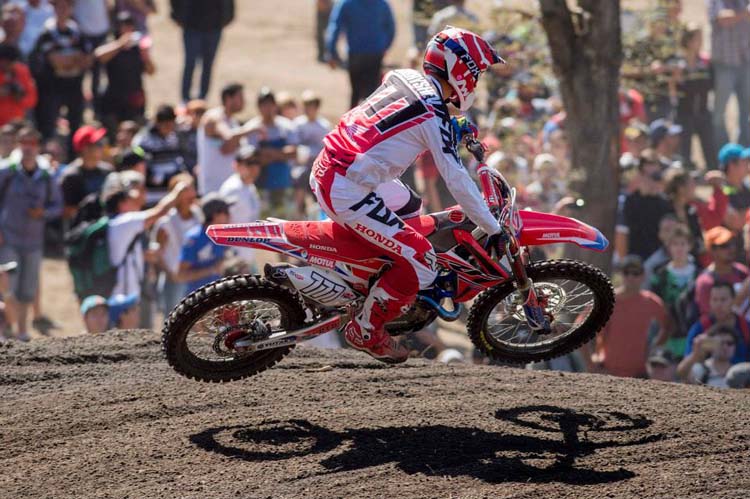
(523, 311)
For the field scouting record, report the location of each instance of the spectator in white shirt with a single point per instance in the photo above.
(310, 129)
(240, 188)
(124, 197)
(169, 234)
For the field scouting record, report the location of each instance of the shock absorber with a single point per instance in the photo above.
(532, 309)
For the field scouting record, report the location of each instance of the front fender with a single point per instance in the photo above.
(544, 228)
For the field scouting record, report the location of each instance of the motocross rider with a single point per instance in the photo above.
(355, 177)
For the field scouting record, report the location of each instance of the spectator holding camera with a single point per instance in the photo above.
(17, 88)
(711, 357)
(28, 198)
(59, 61)
(720, 312)
(126, 59)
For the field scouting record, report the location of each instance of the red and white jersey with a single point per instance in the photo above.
(378, 140)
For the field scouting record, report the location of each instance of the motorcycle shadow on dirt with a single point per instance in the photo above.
(559, 437)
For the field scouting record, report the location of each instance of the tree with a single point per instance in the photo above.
(584, 41)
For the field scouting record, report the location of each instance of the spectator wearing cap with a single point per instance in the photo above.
(730, 50)
(661, 366)
(310, 128)
(17, 88)
(59, 60)
(638, 229)
(693, 88)
(240, 187)
(722, 246)
(124, 311)
(85, 175)
(202, 23)
(622, 346)
(133, 158)
(37, 13)
(28, 197)
(126, 59)
(277, 141)
(139, 10)
(95, 312)
(159, 140)
(369, 29)
(170, 231)
(735, 169)
(187, 132)
(124, 199)
(201, 260)
(219, 137)
(288, 107)
(665, 141)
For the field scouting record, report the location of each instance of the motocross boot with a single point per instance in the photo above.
(366, 331)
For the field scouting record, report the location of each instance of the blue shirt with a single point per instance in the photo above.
(368, 25)
(200, 252)
(740, 352)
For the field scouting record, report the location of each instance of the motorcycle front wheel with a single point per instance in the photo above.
(578, 299)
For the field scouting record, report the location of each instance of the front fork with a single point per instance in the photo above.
(532, 308)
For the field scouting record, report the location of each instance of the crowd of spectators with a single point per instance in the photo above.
(155, 175)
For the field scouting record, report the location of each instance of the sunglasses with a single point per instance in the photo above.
(632, 273)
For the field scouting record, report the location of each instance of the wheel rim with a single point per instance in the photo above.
(567, 303)
(212, 336)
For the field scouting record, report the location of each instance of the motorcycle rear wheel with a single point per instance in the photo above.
(189, 337)
(579, 300)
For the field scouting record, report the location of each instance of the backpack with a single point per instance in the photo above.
(88, 259)
(685, 310)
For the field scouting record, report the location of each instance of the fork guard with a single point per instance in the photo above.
(544, 228)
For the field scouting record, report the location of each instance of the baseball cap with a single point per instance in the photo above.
(213, 203)
(729, 152)
(631, 262)
(119, 304)
(8, 266)
(247, 153)
(662, 357)
(91, 302)
(131, 157)
(310, 97)
(738, 375)
(660, 128)
(717, 236)
(266, 94)
(87, 135)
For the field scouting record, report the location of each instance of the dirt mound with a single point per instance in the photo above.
(106, 417)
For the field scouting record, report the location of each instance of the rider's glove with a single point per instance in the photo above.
(497, 242)
(463, 127)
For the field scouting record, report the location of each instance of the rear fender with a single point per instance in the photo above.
(544, 228)
(267, 236)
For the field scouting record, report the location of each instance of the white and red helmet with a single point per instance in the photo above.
(459, 57)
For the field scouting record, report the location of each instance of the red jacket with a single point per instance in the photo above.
(12, 108)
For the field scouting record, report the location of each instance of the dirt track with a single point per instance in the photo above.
(106, 417)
